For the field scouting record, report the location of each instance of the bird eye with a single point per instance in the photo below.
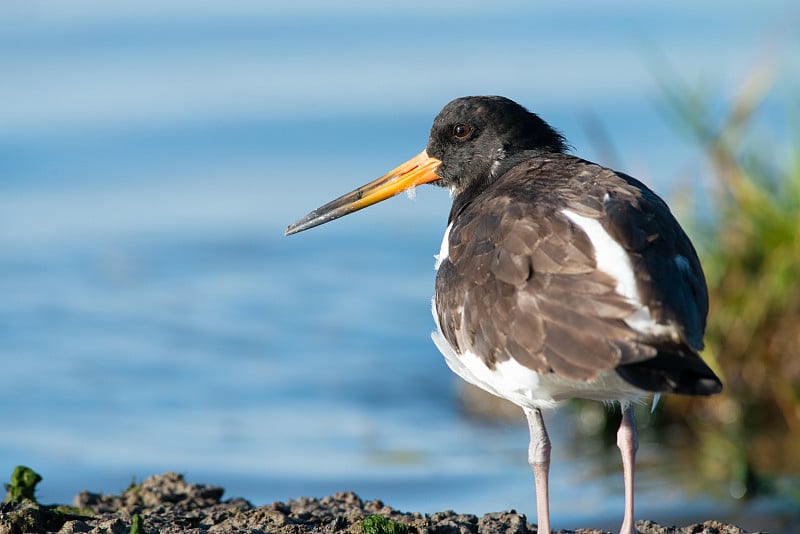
(462, 131)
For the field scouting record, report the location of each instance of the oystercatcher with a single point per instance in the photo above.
(557, 278)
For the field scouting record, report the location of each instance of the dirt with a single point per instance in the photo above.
(167, 503)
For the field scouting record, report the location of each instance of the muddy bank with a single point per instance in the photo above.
(167, 503)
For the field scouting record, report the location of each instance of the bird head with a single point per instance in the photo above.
(473, 140)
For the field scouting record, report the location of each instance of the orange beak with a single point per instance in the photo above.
(418, 170)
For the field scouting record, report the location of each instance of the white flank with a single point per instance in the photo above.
(612, 259)
(510, 380)
(444, 250)
(610, 256)
(524, 387)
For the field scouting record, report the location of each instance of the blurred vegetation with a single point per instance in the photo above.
(750, 248)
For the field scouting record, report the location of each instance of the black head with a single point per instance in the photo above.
(478, 138)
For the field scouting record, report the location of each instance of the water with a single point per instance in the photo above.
(152, 315)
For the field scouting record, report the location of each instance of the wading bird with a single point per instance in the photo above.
(557, 278)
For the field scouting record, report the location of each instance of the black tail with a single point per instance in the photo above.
(675, 369)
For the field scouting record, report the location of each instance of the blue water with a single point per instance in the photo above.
(152, 315)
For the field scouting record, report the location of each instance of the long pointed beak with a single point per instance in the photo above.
(418, 170)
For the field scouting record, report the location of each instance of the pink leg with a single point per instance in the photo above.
(539, 459)
(628, 445)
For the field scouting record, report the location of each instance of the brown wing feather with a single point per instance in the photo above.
(529, 291)
(521, 281)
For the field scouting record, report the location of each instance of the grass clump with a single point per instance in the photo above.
(21, 511)
(378, 524)
(137, 525)
(22, 486)
(750, 247)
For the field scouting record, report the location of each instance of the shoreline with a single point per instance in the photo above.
(167, 503)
